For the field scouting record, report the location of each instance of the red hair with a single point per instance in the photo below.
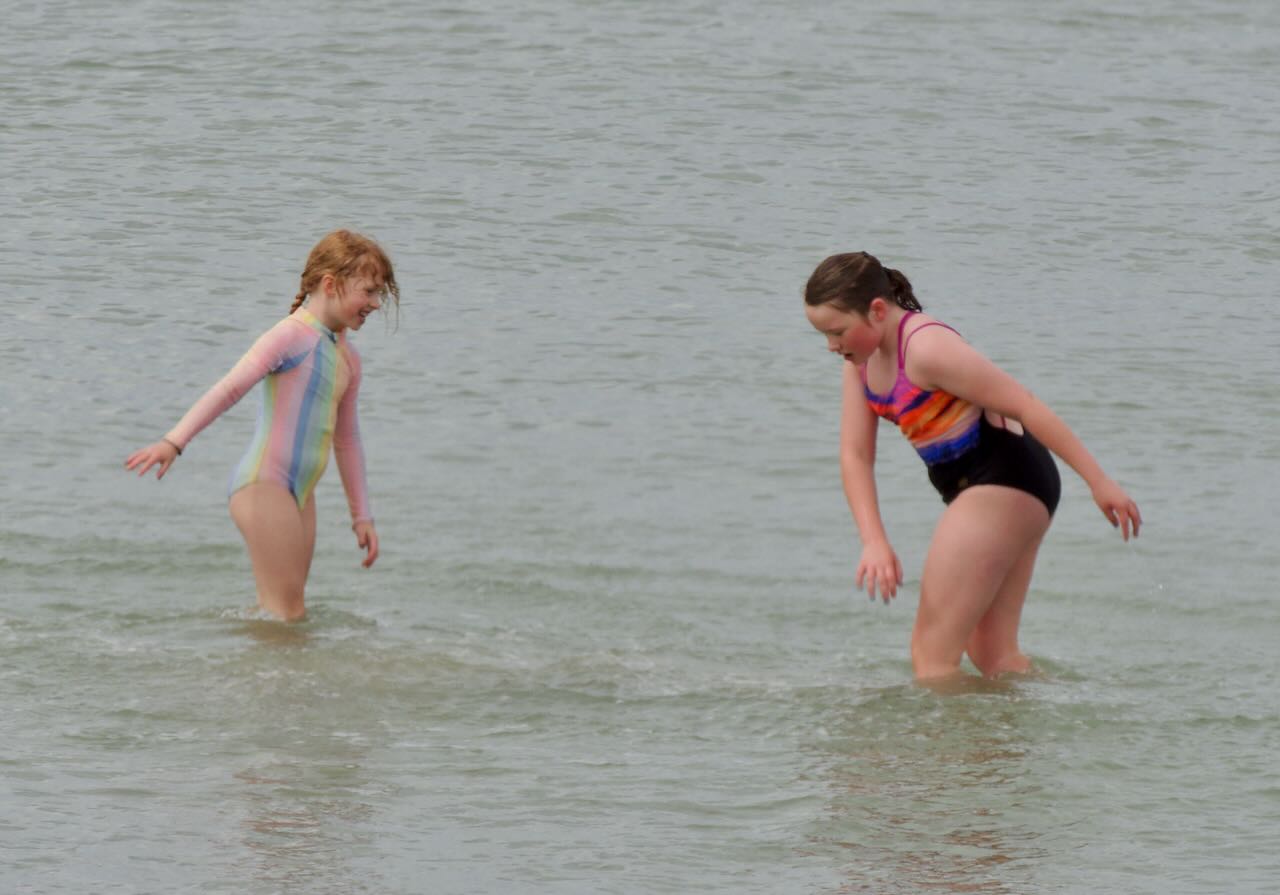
(346, 254)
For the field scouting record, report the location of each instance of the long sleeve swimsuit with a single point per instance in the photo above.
(312, 376)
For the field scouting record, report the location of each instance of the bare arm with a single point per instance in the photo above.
(940, 359)
(858, 425)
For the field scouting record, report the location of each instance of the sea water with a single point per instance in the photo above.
(613, 644)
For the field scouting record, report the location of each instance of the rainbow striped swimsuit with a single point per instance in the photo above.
(940, 426)
(312, 376)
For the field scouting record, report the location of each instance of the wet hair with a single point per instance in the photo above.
(346, 254)
(852, 280)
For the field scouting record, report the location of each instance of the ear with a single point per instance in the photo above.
(878, 309)
(328, 285)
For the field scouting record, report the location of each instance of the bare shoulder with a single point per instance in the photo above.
(936, 352)
(925, 336)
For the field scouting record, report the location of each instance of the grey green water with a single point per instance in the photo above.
(612, 644)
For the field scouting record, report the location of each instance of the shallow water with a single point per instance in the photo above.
(612, 644)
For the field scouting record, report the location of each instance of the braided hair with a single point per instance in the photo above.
(345, 254)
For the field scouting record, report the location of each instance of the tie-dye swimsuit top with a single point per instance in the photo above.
(939, 425)
(308, 402)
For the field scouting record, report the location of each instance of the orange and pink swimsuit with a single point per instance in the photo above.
(312, 377)
(939, 425)
(958, 444)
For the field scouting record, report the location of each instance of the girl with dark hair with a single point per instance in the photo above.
(986, 441)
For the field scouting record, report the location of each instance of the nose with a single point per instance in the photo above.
(833, 344)
(377, 300)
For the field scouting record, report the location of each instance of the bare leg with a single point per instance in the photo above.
(979, 541)
(281, 540)
(993, 647)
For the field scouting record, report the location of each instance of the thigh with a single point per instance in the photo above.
(979, 539)
(993, 646)
(276, 534)
(1002, 618)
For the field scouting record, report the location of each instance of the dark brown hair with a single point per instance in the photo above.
(346, 254)
(850, 282)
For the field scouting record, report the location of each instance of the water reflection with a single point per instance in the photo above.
(303, 821)
(304, 720)
(932, 793)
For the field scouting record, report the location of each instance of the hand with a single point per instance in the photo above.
(1118, 507)
(367, 540)
(162, 452)
(879, 566)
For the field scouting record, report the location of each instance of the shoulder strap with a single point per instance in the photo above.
(902, 348)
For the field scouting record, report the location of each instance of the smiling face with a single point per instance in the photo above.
(360, 297)
(849, 334)
(346, 304)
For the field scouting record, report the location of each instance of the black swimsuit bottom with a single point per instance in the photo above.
(1005, 458)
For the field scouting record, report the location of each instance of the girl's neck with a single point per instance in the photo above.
(323, 310)
(891, 326)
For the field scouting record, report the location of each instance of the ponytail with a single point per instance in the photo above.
(298, 300)
(900, 286)
(853, 280)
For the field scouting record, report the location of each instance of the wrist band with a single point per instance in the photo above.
(172, 445)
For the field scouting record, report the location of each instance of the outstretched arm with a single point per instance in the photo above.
(941, 359)
(268, 353)
(879, 565)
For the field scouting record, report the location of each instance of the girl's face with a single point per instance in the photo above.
(849, 334)
(362, 296)
(354, 300)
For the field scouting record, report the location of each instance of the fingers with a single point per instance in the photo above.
(871, 584)
(137, 458)
(1132, 519)
(369, 541)
(880, 572)
(1119, 509)
(143, 459)
(1125, 517)
(883, 580)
